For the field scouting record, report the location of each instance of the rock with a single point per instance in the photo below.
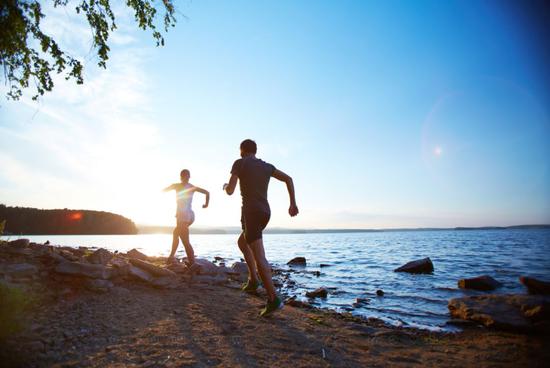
(359, 302)
(139, 274)
(483, 283)
(240, 267)
(19, 270)
(535, 286)
(206, 267)
(136, 254)
(317, 293)
(513, 312)
(297, 303)
(225, 270)
(152, 269)
(84, 269)
(100, 256)
(297, 261)
(177, 268)
(419, 266)
(380, 292)
(121, 265)
(68, 255)
(98, 285)
(19, 243)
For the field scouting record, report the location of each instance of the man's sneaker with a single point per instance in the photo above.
(272, 306)
(250, 287)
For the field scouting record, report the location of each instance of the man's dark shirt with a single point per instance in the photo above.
(254, 175)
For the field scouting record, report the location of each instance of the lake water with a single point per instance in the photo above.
(361, 263)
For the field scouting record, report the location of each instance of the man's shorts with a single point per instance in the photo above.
(253, 223)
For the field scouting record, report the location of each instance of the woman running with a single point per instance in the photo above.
(184, 215)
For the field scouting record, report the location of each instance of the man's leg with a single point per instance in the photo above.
(249, 258)
(184, 236)
(264, 268)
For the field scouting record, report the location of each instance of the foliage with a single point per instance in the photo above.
(29, 221)
(2, 227)
(13, 305)
(27, 53)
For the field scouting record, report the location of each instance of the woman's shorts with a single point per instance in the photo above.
(253, 223)
(185, 218)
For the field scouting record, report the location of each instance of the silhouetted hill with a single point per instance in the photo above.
(34, 221)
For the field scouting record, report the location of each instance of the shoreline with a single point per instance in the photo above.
(232, 230)
(205, 320)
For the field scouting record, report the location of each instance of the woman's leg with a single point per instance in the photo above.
(184, 236)
(175, 241)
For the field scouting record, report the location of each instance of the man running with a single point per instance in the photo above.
(184, 215)
(254, 175)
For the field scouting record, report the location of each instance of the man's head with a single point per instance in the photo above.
(248, 147)
(185, 175)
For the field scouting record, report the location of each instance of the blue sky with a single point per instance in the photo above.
(386, 114)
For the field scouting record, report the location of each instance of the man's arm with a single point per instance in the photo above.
(279, 175)
(168, 188)
(230, 188)
(206, 193)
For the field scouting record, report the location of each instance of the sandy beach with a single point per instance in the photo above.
(204, 322)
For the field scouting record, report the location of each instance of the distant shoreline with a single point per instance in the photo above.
(149, 230)
(144, 229)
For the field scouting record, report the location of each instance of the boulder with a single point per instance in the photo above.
(19, 243)
(297, 303)
(297, 261)
(419, 266)
(19, 270)
(177, 268)
(136, 254)
(513, 312)
(151, 268)
(139, 274)
(223, 269)
(317, 293)
(535, 286)
(206, 267)
(84, 269)
(483, 283)
(68, 255)
(100, 256)
(240, 267)
(359, 302)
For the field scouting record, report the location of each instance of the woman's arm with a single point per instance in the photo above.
(169, 188)
(206, 193)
